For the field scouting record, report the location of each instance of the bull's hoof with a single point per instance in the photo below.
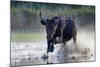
(51, 48)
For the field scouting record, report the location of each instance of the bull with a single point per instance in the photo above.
(59, 30)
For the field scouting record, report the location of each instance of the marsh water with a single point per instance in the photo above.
(32, 53)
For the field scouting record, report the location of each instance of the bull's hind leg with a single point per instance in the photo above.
(75, 44)
(75, 39)
(75, 36)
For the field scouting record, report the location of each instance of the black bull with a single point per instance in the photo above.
(59, 30)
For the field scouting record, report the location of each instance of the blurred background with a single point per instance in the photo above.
(25, 19)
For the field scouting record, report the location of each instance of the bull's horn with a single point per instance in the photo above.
(43, 18)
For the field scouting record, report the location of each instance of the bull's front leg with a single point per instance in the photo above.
(50, 47)
(62, 26)
(61, 35)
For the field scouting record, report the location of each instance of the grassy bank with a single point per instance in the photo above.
(27, 37)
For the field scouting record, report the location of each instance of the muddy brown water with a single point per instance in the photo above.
(35, 52)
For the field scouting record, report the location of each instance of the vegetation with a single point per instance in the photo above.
(47, 8)
(27, 37)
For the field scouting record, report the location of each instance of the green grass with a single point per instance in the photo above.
(27, 37)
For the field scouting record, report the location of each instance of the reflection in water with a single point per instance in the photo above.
(44, 57)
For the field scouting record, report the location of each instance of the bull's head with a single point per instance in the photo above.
(51, 25)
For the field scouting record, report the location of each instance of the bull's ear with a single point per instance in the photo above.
(43, 22)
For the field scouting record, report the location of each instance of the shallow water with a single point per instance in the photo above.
(35, 52)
